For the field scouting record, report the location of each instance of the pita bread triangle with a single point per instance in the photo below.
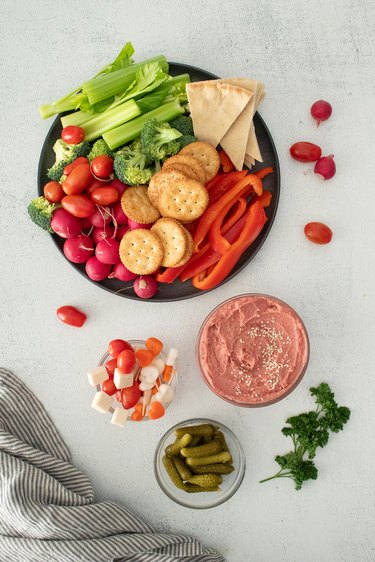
(214, 106)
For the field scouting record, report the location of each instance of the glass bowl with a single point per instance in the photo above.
(203, 500)
(264, 374)
(139, 344)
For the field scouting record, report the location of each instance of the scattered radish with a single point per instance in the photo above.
(121, 232)
(96, 270)
(119, 215)
(321, 111)
(107, 251)
(145, 287)
(78, 249)
(99, 234)
(133, 225)
(325, 167)
(65, 225)
(100, 217)
(122, 273)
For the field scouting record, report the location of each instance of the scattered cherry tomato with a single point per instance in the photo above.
(71, 315)
(94, 185)
(53, 192)
(78, 205)
(104, 196)
(305, 151)
(77, 162)
(154, 345)
(144, 356)
(318, 233)
(78, 179)
(116, 346)
(130, 396)
(102, 166)
(126, 361)
(108, 386)
(72, 134)
(110, 367)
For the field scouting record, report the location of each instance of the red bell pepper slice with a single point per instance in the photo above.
(214, 182)
(264, 172)
(225, 184)
(265, 199)
(255, 219)
(169, 275)
(225, 161)
(215, 236)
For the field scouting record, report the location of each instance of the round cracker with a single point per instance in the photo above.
(183, 200)
(136, 205)
(173, 239)
(159, 181)
(141, 251)
(182, 169)
(194, 165)
(206, 154)
(189, 249)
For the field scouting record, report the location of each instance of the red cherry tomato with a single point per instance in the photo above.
(116, 346)
(305, 151)
(110, 367)
(130, 396)
(53, 192)
(108, 387)
(94, 184)
(71, 315)
(318, 233)
(102, 166)
(104, 196)
(78, 179)
(126, 361)
(72, 134)
(77, 162)
(78, 205)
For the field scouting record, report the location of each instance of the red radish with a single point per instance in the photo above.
(99, 234)
(79, 249)
(325, 167)
(107, 251)
(145, 286)
(100, 217)
(121, 232)
(86, 224)
(321, 111)
(119, 215)
(65, 225)
(119, 185)
(133, 225)
(96, 270)
(122, 273)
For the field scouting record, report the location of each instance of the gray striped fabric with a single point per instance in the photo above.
(46, 504)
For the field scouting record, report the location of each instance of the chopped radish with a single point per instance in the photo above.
(122, 273)
(119, 215)
(133, 225)
(100, 217)
(119, 186)
(321, 111)
(99, 234)
(121, 232)
(78, 249)
(145, 286)
(96, 270)
(325, 167)
(65, 225)
(107, 251)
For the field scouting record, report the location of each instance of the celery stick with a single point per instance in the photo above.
(76, 118)
(130, 131)
(95, 127)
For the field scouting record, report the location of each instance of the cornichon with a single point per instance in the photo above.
(179, 444)
(183, 470)
(202, 429)
(220, 436)
(191, 488)
(206, 480)
(219, 468)
(195, 440)
(172, 472)
(210, 448)
(224, 456)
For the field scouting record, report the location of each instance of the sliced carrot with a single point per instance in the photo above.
(144, 357)
(154, 345)
(167, 373)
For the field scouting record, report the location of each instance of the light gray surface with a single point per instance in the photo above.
(303, 51)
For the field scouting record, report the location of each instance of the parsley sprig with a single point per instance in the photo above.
(308, 432)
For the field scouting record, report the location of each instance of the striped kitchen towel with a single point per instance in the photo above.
(47, 512)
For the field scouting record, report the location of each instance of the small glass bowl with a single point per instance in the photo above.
(142, 344)
(201, 500)
(288, 389)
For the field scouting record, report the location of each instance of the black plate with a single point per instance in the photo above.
(177, 290)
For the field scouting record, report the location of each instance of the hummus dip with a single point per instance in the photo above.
(253, 349)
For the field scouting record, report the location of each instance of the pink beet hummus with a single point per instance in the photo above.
(253, 350)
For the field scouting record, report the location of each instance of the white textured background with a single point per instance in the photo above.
(303, 51)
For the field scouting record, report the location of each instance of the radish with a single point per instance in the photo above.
(325, 167)
(99, 234)
(133, 225)
(321, 111)
(65, 225)
(145, 286)
(96, 270)
(119, 185)
(107, 251)
(100, 217)
(119, 215)
(121, 232)
(122, 273)
(78, 249)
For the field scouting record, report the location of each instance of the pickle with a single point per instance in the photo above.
(172, 472)
(183, 470)
(219, 468)
(201, 430)
(179, 444)
(207, 438)
(223, 457)
(220, 436)
(210, 448)
(206, 480)
(195, 440)
(191, 488)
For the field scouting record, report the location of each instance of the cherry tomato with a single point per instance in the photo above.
(305, 151)
(104, 195)
(78, 205)
(126, 361)
(94, 185)
(154, 345)
(77, 162)
(71, 315)
(318, 233)
(130, 396)
(78, 179)
(110, 367)
(72, 134)
(53, 192)
(102, 166)
(108, 387)
(116, 346)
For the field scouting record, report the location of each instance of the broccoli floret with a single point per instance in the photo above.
(98, 148)
(183, 124)
(186, 139)
(159, 140)
(40, 211)
(65, 154)
(131, 166)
